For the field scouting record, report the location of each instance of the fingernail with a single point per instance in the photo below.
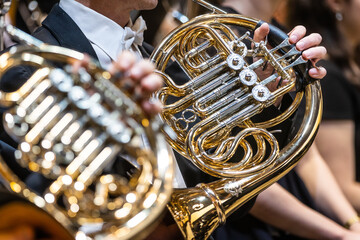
(293, 38)
(306, 55)
(314, 72)
(300, 45)
(124, 65)
(136, 72)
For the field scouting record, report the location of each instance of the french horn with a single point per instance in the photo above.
(74, 130)
(213, 110)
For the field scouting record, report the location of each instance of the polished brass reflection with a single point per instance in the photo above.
(230, 81)
(71, 128)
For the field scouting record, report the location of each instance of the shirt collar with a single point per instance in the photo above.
(108, 34)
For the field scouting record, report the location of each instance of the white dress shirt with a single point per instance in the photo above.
(104, 34)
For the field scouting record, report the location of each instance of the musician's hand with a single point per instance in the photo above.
(21, 232)
(134, 77)
(310, 47)
(349, 235)
(139, 78)
(260, 35)
(355, 227)
(308, 44)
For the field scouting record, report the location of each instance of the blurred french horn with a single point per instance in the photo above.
(71, 128)
(229, 83)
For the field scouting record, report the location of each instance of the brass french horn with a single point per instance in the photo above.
(212, 112)
(71, 128)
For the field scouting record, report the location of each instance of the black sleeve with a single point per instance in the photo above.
(17, 76)
(8, 156)
(13, 79)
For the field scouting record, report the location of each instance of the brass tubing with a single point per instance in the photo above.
(234, 192)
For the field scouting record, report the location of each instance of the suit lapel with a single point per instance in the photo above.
(66, 32)
(146, 49)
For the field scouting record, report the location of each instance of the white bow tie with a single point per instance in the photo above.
(134, 34)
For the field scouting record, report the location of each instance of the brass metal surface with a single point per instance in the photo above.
(219, 112)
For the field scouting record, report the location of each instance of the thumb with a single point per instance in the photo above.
(261, 32)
